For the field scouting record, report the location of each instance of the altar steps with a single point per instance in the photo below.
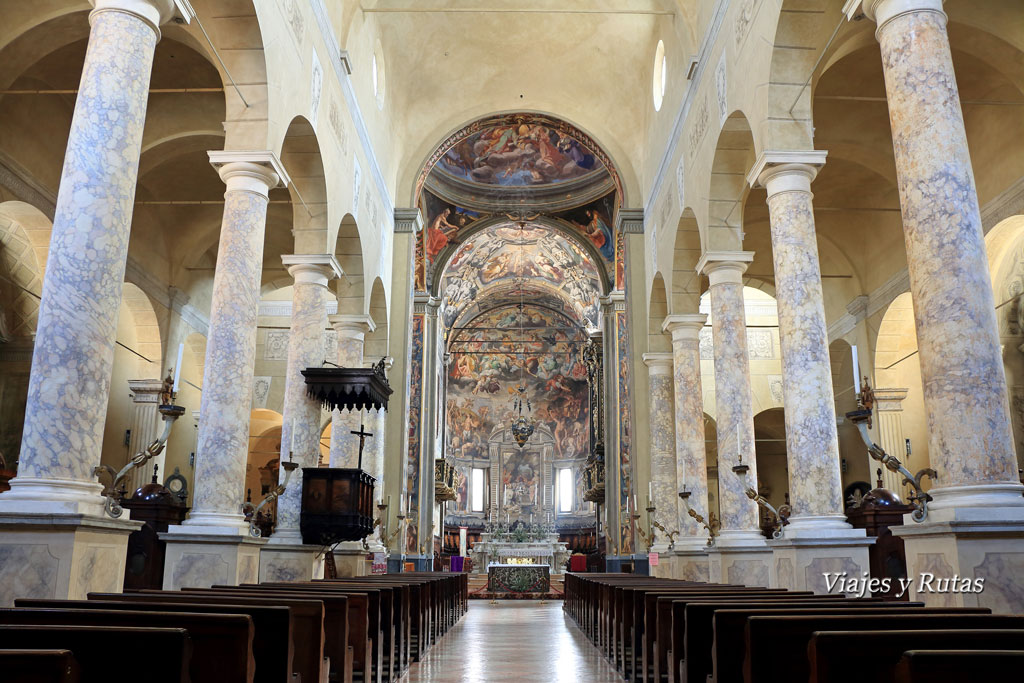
(478, 590)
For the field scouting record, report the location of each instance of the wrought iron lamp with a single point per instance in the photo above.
(113, 508)
(712, 525)
(251, 512)
(862, 418)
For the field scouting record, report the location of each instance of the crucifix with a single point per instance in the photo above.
(362, 434)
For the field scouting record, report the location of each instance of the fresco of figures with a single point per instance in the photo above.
(503, 256)
(519, 154)
(488, 359)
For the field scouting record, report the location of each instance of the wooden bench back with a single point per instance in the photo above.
(957, 666)
(39, 666)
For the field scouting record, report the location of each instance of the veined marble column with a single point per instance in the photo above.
(300, 432)
(146, 427)
(691, 451)
(818, 535)
(971, 444)
(216, 529)
(352, 331)
(663, 437)
(738, 555)
(812, 444)
(73, 355)
(975, 523)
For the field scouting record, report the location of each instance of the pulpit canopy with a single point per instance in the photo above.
(349, 388)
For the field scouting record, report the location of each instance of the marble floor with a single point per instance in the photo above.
(513, 640)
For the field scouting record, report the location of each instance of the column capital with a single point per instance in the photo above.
(408, 220)
(724, 266)
(630, 221)
(786, 170)
(145, 390)
(154, 12)
(684, 326)
(890, 400)
(316, 269)
(350, 326)
(259, 171)
(658, 363)
(883, 11)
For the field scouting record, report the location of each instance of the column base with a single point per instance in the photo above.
(803, 556)
(282, 560)
(967, 557)
(350, 559)
(37, 495)
(691, 560)
(61, 556)
(197, 557)
(740, 557)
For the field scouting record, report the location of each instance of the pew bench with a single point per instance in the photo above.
(39, 666)
(839, 656)
(957, 666)
(94, 647)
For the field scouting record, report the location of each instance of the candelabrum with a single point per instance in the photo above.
(712, 525)
(389, 538)
(112, 506)
(251, 512)
(780, 515)
(919, 499)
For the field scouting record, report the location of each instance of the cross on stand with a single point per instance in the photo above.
(362, 434)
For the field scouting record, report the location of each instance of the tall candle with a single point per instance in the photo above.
(292, 447)
(177, 367)
(739, 441)
(856, 371)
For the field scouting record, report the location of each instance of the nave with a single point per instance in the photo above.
(514, 640)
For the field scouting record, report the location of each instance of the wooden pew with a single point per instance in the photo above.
(346, 625)
(39, 666)
(307, 620)
(957, 666)
(670, 648)
(777, 645)
(273, 629)
(838, 656)
(221, 643)
(94, 647)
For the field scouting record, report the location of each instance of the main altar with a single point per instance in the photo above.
(520, 545)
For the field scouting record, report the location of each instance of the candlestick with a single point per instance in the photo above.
(856, 371)
(177, 367)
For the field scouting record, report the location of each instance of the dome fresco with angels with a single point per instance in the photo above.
(495, 264)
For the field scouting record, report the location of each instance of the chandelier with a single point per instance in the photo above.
(522, 426)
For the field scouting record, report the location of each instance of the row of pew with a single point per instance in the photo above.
(347, 630)
(662, 630)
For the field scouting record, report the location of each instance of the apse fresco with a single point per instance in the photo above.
(517, 155)
(499, 260)
(594, 221)
(488, 358)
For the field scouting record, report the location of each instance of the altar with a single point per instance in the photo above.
(495, 549)
(518, 578)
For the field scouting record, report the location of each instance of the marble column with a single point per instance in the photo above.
(52, 518)
(285, 558)
(690, 449)
(739, 552)
(970, 440)
(73, 355)
(662, 448)
(213, 545)
(818, 531)
(146, 427)
(351, 331)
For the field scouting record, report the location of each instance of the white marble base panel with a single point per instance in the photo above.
(285, 562)
(801, 562)
(197, 561)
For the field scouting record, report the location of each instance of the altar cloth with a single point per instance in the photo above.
(518, 578)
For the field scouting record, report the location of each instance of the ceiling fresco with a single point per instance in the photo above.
(519, 154)
(493, 266)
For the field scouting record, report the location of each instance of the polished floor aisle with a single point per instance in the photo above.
(514, 640)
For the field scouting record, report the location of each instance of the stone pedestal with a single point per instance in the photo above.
(740, 557)
(350, 559)
(61, 556)
(801, 559)
(691, 560)
(282, 561)
(967, 543)
(201, 560)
